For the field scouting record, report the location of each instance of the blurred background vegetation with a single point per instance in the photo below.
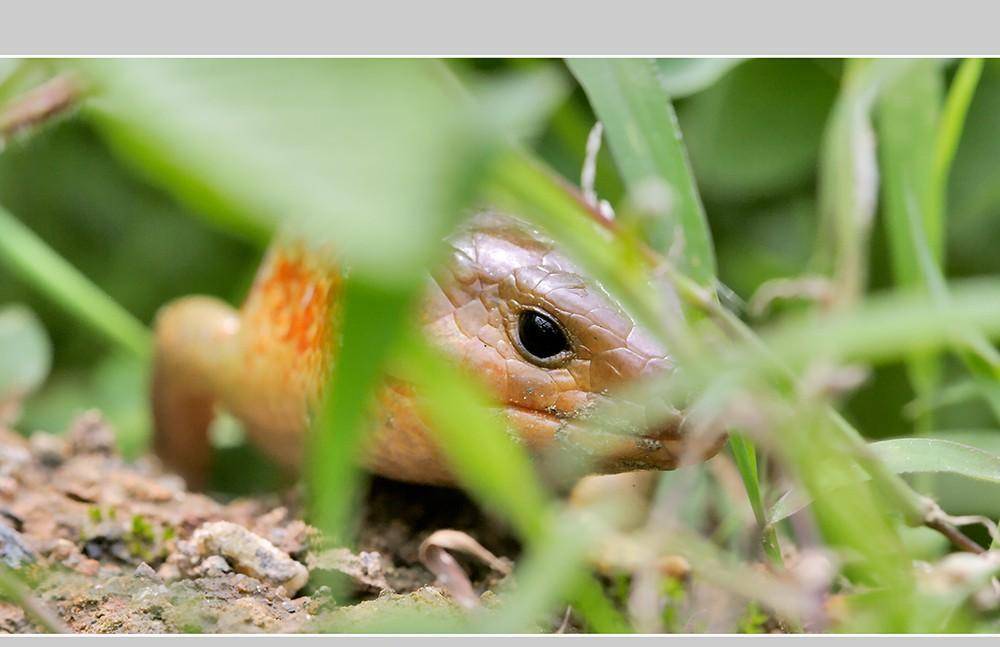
(754, 132)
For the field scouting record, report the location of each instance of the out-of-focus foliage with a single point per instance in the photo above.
(26, 350)
(255, 160)
(682, 77)
(974, 196)
(756, 132)
(130, 239)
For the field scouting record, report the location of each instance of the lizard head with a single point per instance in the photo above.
(551, 344)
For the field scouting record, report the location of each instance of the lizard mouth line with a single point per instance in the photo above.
(577, 421)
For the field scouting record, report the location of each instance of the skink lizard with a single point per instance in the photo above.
(509, 306)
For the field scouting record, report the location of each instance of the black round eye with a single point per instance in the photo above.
(540, 335)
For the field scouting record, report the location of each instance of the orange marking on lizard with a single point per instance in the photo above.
(296, 297)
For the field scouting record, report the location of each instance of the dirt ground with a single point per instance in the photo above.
(116, 547)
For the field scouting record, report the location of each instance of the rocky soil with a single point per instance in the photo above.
(108, 546)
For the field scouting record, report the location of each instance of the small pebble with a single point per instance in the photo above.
(14, 552)
(146, 571)
(8, 485)
(250, 554)
(90, 433)
(674, 566)
(215, 565)
(169, 572)
(88, 566)
(13, 458)
(93, 549)
(62, 549)
(49, 450)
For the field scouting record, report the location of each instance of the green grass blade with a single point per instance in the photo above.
(646, 143)
(374, 319)
(950, 127)
(588, 598)
(745, 456)
(35, 263)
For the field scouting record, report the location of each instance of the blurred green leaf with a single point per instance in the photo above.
(950, 129)
(14, 590)
(518, 103)
(881, 329)
(848, 179)
(374, 157)
(908, 114)
(986, 440)
(911, 456)
(681, 77)
(111, 227)
(7, 67)
(18, 75)
(974, 185)
(960, 495)
(25, 353)
(646, 143)
(915, 170)
(756, 132)
(887, 326)
(981, 357)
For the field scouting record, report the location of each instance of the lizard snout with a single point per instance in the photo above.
(624, 431)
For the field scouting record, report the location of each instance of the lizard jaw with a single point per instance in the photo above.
(610, 451)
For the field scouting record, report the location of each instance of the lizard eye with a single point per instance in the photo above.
(540, 338)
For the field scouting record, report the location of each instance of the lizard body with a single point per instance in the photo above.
(508, 305)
